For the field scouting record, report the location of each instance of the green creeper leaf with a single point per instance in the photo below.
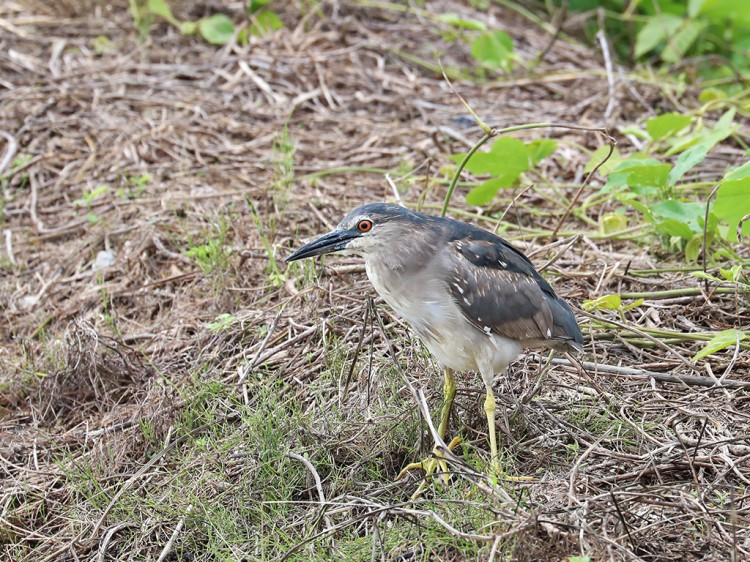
(707, 276)
(711, 94)
(680, 42)
(695, 7)
(693, 248)
(161, 8)
(540, 149)
(217, 29)
(720, 341)
(674, 227)
(221, 323)
(642, 175)
(265, 22)
(689, 160)
(462, 23)
(485, 192)
(733, 204)
(690, 214)
(739, 173)
(696, 154)
(613, 222)
(733, 274)
(600, 154)
(667, 125)
(255, 5)
(493, 49)
(507, 156)
(656, 30)
(608, 302)
(635, 304)
(188, 27)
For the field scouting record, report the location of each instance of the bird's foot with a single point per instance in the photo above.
(497, 472)
(434, 465)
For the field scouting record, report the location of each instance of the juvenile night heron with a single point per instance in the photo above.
(473, 299)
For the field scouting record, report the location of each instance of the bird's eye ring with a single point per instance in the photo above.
(364, 225)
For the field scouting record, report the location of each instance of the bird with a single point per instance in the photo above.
(474, 300)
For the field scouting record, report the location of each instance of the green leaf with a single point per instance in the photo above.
(689, 160)
(161, 8)
(674, 227)
(255, 5)
(656, 30)
(695, 7)
(667, 125)
(695, 155)
(739, 173)
(733, 204)
(635, 304)
(610, 223)
(485, 192)
(462, 23)
(693, 248)
(189, 27)
(733, 274)
(507, 156)
(642, 175)
(707, 276)
(682, 40)
(493, 49)
(608, 302)
(711, 94)
(217, 29)
(600, 154)
(690, 214)
(720, 341)
(265, 22)
(540, 149)
(221, 323)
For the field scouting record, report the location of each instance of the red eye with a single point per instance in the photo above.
(364, 226)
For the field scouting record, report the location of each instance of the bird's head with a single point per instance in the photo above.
(367, 230)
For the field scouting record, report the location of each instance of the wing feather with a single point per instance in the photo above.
(500, 292)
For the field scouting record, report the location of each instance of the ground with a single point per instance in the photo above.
(172, 390)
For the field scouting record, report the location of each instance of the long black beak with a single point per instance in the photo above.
(334, 241)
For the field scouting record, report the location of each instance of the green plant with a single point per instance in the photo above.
(649, 183)
(222, 323)
(217, 29)
(87, 200)
(283, 166)
(275, 276)
(263, 19)
(135, 187)
(491, 49)
(670, 31)
(213, 254)
(506, 160)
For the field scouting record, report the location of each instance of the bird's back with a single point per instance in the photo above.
(499, 290)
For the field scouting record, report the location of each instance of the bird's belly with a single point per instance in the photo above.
(448, 335)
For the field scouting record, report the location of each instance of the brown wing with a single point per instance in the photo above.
(499, 291)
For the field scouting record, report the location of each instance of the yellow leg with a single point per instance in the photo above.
(495, 467)
(489, 409)
(449, 392)
(435, 463)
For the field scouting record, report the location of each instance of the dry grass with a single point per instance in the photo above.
(137, 422)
